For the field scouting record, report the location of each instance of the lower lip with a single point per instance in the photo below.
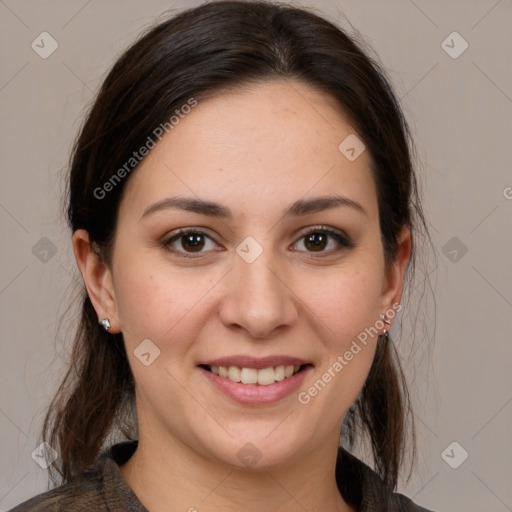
(255, 394)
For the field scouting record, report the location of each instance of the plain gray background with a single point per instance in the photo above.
(460, 110)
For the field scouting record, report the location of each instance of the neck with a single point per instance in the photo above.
(165, 473)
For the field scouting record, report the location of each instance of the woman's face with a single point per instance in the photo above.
(260, 282)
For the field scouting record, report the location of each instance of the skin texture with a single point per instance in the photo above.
(255, 151)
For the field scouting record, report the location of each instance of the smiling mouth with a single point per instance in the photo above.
(263, 376)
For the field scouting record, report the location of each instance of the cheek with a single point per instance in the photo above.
(156, 302)
(140, 300)
(344, 308)
(346, 346)
(142, 295)
(346, 302)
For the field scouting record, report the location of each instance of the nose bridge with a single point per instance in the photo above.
(259, 276)
(258, 299)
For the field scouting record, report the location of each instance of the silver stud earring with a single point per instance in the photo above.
(384, 318)
(105, 323)
(384, 334)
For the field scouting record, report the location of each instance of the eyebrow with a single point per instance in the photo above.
(212, 209)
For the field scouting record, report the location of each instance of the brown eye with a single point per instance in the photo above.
(192, 241)
(187, 242)
(317, 239)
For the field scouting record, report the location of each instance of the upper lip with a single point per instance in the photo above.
(245, 361)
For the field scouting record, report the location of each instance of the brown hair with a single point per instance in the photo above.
(199, 52)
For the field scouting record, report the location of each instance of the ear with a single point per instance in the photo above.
(97, 278)
(395, 273)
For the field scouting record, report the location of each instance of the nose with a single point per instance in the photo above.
(258, 298)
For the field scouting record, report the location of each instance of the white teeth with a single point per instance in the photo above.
(248, 375)
(234, 373)
(279, 373)
(263, 377)
(266, 376)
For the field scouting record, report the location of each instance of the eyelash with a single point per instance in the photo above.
(343, 240)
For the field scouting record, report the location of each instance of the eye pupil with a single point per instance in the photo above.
(194, 240)
(317, 240)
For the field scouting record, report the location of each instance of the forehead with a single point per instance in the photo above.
(265, 143)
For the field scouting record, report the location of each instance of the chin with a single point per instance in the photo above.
(256, 450)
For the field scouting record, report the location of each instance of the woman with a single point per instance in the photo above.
(243, 208)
